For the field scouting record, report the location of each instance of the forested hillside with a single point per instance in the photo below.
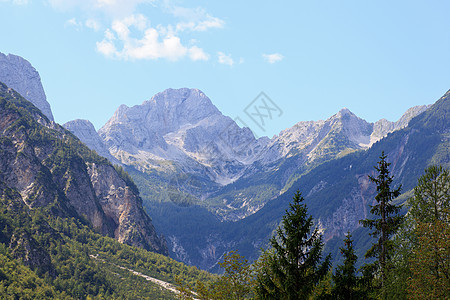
(66, 215)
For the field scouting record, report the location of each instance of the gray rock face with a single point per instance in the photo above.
(382, 127)
(320, 139)
(343, 131)
(85, 131)
(124, 208)
(182, 126)
(18, 74)
(181, 132)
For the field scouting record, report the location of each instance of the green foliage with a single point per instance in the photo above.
(431, 200)
(127, 178)
(388, 222)
(428, 258)
(347, 284)
(83, 264)
(293, 268)
(20, 282)
(430, 262)
(235, 283)
(419, 244)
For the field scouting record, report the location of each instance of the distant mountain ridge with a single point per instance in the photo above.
(337, 193)
(181, 130)
(179, 133)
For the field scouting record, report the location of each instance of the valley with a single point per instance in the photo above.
(166, 189)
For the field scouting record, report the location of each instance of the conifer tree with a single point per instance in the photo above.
(293, 267)
(345, 279)
(388, 221)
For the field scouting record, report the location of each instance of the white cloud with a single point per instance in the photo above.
(200, 26)
(73, 23)
(131, 36)
(273, 58)
(196, 53)
(92, 24)
(106, 47)
(78, 25)
(194, 19)
(225, 59)
(119, 42)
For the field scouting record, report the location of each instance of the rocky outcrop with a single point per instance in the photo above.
(24, 247)
(19, 74)
(124, 208)
(49, 166)
(382, 127)
(86, 132)
(21, 243)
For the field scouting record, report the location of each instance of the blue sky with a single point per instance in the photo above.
(312, 58)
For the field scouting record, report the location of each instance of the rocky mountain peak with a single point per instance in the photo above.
(18, 74)
(86, 132)
(174, 108)
(344, 111)
(165, 112)
(181, 126)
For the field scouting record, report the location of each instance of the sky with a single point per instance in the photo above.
(309, 58)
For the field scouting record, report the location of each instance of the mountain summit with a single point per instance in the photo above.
(184, 127)
(18, 74)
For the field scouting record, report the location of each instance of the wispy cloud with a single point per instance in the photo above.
(225, 59)
(73, 23)
(93, 24)
(109, 8)
(194, 19)
(16, 2)
(273, 58)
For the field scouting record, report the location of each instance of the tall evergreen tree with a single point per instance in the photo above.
(388, 221)
(345, 278)
(293, 267)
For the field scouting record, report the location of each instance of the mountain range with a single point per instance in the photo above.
(204, 180)
(209, 185)
(184, 139)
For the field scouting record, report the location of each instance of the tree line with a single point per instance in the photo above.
(410, 258)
